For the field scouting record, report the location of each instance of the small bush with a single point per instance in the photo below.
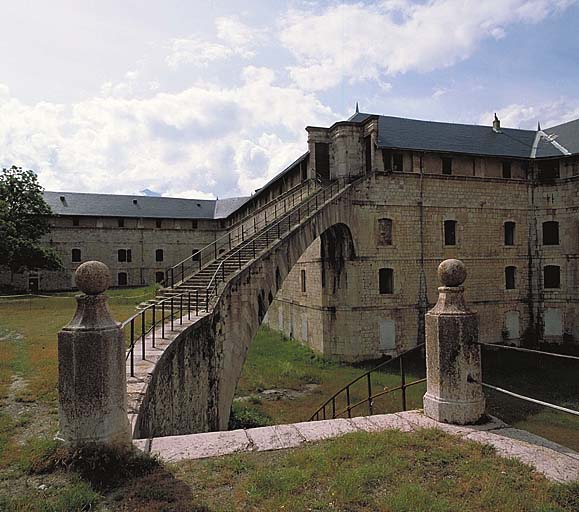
(243, 416)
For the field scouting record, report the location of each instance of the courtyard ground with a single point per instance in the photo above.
(327, 475)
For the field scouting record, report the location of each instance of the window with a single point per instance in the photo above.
(506, 169)
(76, 255)
(447, 165)
(159, 277)
(384, 232)
(303, 280)
(386, 281)
(75, 221)
(510, 278)
(552, 276)
(159, 255)
(121, 222)
(195, 255)
(387, 159)
(194, 224)
(124, 255)
(551, 233)
(548, 170)
(322, 159)
(449, 232)
(158, 223)
(122, 279)
(398, 162)
(509, 233)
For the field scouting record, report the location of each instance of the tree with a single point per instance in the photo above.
(23, 221)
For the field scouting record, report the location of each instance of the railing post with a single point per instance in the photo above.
(275, 210)
(403, 382)
(172, 313)
(253, 247)
(453, 363)
(153, 327)
(172, 277)
(181, 309)
(143, 334)
(182, 272)
(132, 345)
(370, 395)
(239, 258)
(215, 248)
(333, 407)
(189, 305)
(348, 401)
(163, 319)
(206, 300)
(229, 237)
(223, 272)
(92, 381)
(197, 302)
(242, 233)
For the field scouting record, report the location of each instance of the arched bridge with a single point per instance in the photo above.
(185, 382)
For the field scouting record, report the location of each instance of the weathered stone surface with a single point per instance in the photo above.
(554, 461)
(453, 364)
(91, 371)
(92, 277)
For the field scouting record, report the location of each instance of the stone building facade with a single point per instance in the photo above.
(504, 201)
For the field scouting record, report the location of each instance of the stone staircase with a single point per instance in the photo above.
(198, 287)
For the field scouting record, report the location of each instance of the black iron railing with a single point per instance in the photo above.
(274, 231)
(239, 232)
(330, 410)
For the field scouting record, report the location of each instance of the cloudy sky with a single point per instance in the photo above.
(205, 98)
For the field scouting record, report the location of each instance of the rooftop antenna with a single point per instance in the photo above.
(357, 109)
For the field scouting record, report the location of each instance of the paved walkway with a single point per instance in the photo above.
(556, 462)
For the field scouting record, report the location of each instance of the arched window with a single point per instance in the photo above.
(552, 276)
(122, 279)
(384, 231)
(510, 278)
(159, 255)
(509, 233)
(76, 256)
(386, 281)
(551, 233)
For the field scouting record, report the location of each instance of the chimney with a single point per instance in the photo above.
(496, 125)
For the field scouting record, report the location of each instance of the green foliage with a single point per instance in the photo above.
(243, 416)
(23, 221)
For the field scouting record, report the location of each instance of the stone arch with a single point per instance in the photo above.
(192, 386)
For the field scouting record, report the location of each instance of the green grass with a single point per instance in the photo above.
(390, 471)
(274, 361)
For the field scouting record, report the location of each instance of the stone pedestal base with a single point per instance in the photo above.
(456, 412)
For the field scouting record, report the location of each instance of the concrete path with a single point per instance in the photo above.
(556, 462)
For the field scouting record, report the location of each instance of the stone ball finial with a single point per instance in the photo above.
(92, 277)
(452, 272)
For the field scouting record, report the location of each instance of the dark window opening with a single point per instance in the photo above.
(159, 277)
(509, 233)
(506, 169)
(304, 172)
(194, 224)
(121, 222)
(122, 279)
(449, 232)
(277, 279)
(384, 232)
(387, 159)
(368, 151)
(446, 165)
(386, 281)
(398, 162)
(510, 278)
(323, 160)
(159, 255)
(303, 280)
(196, 254)
(548, 170)
(158, 223)
(551, 233)
(552, 276)
(124, 255)
(76, 255)
(75, 221)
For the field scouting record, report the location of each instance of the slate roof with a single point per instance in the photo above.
(413, 134)
(111, 205)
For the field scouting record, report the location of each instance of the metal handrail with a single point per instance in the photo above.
(332, 400)
(529, 351)
(228, 240)
(312, 200)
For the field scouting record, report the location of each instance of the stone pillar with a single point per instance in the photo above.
(91, 367)
(453, 362)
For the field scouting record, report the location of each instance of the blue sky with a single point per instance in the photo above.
(211, 98)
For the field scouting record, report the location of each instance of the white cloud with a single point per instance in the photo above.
(550, 113)
(235, 39)
(363, 42)
(201, 141)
